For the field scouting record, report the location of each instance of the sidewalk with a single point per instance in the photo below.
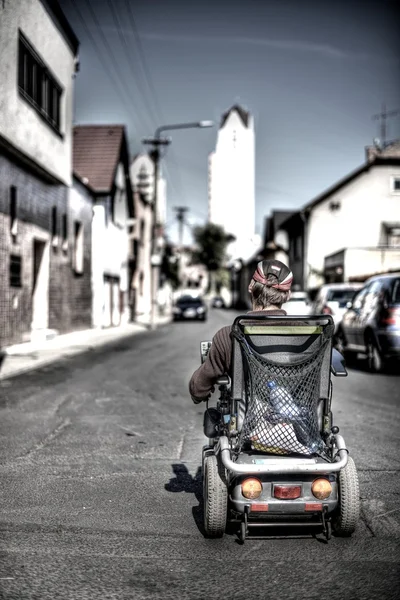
(30, 356)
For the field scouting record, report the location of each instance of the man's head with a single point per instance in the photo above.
(270, 284)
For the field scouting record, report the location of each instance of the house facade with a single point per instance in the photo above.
(40, 293)
(101, 165)
(142, 173)
(352, 230)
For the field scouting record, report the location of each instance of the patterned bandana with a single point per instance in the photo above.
(274, 267)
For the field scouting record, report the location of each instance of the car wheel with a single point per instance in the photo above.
(339, 342)
(374, 358)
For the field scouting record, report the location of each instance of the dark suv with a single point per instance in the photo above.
(371, 325)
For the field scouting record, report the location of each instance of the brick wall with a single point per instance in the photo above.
(69, 294)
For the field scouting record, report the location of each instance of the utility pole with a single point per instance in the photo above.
(156, 143)
(180, 215)
(156, 254)
(382, 117)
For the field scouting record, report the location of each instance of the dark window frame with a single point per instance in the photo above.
(15, 271)
(38, 86)
(13, 210)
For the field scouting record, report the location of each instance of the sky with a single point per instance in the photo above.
(312, 72)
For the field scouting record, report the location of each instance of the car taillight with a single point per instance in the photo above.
(251, 488)
(287, 492)
(391, 316)
(327, 311)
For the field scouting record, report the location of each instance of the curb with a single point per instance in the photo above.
(61, 354)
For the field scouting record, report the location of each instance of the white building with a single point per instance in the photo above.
(39, 292)
(353, 229)
(39, 51)
(101, 163)
(142, 177)
(231, 188)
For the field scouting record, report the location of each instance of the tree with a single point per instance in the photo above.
(170, 266)
(211, 243)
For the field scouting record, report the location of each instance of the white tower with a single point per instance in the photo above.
(232, 181)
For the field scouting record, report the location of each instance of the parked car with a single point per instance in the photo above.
(298, 304)
(332, 299)
(189, 307)
(371, 324)
(217, 302)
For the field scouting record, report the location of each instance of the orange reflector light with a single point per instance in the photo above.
(321, 488)
(258, 507)
(313, 506)
(251, 488)
(287, 492)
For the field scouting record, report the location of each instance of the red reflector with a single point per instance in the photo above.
(287, 492)
(313, 506)
(260, 507)
(327, 311)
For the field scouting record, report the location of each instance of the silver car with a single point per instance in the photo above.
(332, 299)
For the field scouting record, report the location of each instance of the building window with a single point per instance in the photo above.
(395, 185)
(78, 248)
(15, 270)
(390, 235)
(37, 84)
(54, 227)
(64, 232)
(13, 212)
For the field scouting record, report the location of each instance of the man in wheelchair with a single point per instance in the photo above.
(269, 289)
(273, 455)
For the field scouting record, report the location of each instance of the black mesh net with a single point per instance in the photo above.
(282, 401)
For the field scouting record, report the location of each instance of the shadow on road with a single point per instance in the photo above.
(360, 364)
(185, 482)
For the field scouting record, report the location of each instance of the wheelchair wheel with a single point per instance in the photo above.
(215, 497)
(346, 518)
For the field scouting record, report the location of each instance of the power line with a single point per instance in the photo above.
(153, 92)
(115, 82)
(109, 50)
(125, 45)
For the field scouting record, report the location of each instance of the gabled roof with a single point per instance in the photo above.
(96, 154)
(382, 158)
(243, 114)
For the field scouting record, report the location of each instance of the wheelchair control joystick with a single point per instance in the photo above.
(335, 429)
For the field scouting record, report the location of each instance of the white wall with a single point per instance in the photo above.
(232, 182)
(368, 262)
(365, 203)
(20, 124)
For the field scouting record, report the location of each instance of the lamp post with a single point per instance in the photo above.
(156, 143)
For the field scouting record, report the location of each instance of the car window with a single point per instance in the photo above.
(359, 298)
(395, 289)
(189, 300)
(373, 294)
(342, 296)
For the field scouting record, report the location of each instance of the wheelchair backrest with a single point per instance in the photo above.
(288, 352)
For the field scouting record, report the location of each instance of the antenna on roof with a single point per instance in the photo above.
(382, 117)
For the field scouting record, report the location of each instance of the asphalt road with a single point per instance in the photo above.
(100, 494)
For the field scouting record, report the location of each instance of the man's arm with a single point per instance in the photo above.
(203, 380)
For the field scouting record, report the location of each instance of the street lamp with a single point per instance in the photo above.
(156, 258)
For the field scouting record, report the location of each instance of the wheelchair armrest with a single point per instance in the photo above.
(338, 364)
